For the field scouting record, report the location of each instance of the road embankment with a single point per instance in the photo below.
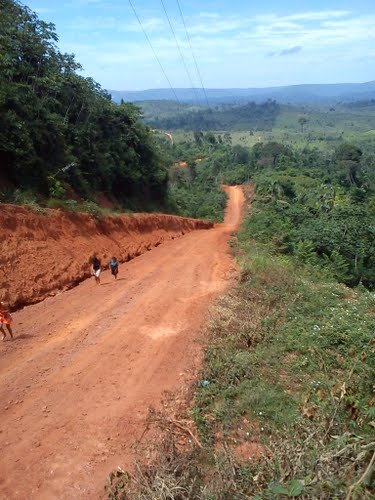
(43, 253)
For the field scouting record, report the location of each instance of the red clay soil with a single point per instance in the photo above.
(86, 364)
(42, 254)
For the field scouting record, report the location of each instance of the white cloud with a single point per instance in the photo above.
(317, 15)
(312, 43)
(43, 10)
(149, 25)
(82, 3)
(209, 15)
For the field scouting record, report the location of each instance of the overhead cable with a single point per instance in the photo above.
(153, 50)
(192, 53)
(181, 53)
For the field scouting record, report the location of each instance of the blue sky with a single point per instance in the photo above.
(236, 43)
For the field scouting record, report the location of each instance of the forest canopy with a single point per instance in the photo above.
(247, 116)
(59, 129)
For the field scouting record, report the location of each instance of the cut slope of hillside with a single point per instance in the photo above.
(42, 253)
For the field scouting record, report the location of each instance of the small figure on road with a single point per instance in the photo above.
(5, 319)
(113, 264)
(96, 268)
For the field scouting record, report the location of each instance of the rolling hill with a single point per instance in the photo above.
(293, 94)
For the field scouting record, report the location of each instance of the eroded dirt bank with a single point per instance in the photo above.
(41, 254)
(85, 365)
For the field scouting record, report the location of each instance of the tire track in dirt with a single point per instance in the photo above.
(76, 384)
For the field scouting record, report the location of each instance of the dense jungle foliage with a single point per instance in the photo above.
(59, 130)
(319, 209)
(224, 117)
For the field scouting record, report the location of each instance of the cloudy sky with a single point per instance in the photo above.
(236, 43)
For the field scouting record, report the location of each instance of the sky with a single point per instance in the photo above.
(235, 43)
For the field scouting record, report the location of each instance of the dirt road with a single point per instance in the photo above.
(76, 383)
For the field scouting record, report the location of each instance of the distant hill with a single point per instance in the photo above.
(293, 94)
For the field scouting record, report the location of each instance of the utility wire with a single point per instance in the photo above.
(181, 54)
(155, 54)
(192, 52)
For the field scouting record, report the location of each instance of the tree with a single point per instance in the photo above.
(241, 154)
(349, 156)
(270, 153)
(302, 121)
(198, 137)
(227, 138)
(210, 138)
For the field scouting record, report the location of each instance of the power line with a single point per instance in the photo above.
(192, 53)
(181, 54)
(155, 54)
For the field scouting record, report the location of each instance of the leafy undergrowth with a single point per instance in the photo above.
(288, 377)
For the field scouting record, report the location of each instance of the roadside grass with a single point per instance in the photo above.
(87, 206)
(291, 366)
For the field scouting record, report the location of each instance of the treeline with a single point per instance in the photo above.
(370, 103)
(60, 131)
(226, 117)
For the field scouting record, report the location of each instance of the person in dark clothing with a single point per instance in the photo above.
(113, 265)
(96, 268)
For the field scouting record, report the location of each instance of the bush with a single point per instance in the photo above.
(92, 208)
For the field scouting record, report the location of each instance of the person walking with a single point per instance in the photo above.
(96, 268)
(5, 319)
(113, 265)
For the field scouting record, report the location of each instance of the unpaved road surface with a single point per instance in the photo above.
(77, 381)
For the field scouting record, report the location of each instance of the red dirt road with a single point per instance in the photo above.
(77, 381)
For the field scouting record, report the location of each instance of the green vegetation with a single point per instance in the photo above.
(290, 365)
(59, 131)
(321, 211)
(322, 127)
(202, 162)
(325, 128)
(316, 206)
(223, 117)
